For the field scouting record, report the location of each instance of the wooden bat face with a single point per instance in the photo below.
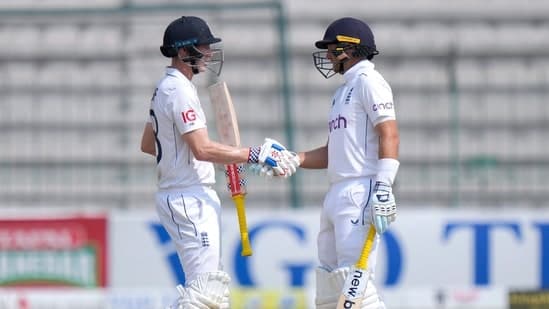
(228, 133)
(227, 129)
(225, 115)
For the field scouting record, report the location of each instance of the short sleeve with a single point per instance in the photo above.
(187, 111)
(377, 98)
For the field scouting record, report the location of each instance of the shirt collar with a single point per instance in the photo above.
(175, 72)
(364, 65)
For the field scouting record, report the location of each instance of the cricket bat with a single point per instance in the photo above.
(227, 129)
(354, 287)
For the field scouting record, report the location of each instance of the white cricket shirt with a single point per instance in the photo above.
(176, 110)
(363, 101)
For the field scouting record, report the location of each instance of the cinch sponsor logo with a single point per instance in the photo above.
(339, 123)
(382, 106)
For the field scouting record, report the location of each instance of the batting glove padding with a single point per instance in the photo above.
(273, 159)
(383, 207)
(289, 162)
(261, 170)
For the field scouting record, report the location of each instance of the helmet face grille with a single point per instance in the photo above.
(200, 61)
(323, 64)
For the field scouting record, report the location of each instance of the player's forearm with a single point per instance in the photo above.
(205, 149)
(222, 154)
(314, 159)
(388, 153)
(151, 151)
(148, 143)
(389, 139)
(388, 147)
(148, 146)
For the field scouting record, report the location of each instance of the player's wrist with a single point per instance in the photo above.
(387, 170)
(253, 154)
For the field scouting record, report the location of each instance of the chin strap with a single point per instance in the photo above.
(192, 62)
(194, 67)
(192, 59)
(341, 59)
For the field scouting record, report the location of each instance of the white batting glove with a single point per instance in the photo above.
(288, 162)
(382, 207)
(261, 170)
(269, 154)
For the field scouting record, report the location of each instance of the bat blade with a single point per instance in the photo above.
(227, 130)
(355, 284)
(225, 115)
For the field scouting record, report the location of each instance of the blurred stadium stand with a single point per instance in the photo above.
(470, 78)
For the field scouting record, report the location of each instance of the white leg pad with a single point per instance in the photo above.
(324, 298)
(371, 299)
(226, 301)
(207, 291)
(330, 284)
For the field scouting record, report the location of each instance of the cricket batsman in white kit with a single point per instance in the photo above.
(361, 157)
(176, 133)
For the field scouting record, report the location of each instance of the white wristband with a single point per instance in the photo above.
(387, 169)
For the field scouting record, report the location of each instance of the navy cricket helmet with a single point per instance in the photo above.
(186, 31)
(348, 30)
(352, 37)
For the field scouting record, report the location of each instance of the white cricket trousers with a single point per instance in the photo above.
(192, 218)
(344, 224)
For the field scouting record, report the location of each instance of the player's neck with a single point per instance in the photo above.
(351, 63)
(183, 68)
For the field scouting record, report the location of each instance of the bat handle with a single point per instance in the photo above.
(241, 214)
(362, 262)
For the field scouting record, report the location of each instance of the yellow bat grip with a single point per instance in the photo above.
(362, 262)
(239, 203)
